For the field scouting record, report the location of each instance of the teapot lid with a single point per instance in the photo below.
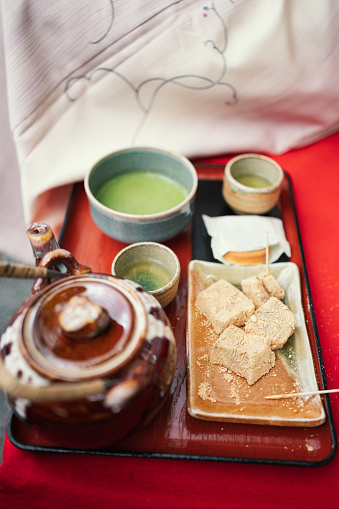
(83, 327)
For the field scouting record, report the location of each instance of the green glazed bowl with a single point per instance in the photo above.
(130, 228)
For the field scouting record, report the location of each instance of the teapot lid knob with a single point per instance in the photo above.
(83, 319)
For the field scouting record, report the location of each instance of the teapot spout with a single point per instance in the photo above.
(47, 253)
(42, 240)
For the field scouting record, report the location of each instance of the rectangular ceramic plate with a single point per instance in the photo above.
(218, 395)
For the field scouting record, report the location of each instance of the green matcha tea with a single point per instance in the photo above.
(251, 180)
(150, 275)
(141, 193)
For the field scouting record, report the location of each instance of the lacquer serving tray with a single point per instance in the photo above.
(174, 433)
(216, 394)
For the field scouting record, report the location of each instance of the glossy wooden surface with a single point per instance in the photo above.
(173, 433)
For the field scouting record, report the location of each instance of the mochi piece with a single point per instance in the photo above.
(223, 305)
(261, 287)
(274, 321)
(243, 353)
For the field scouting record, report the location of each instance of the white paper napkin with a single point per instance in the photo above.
(246, 233)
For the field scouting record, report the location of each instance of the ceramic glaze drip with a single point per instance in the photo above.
(141, 193)
(150, 275)
(251, 180)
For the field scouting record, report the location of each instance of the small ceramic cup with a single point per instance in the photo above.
(155, 267)
(252, 184)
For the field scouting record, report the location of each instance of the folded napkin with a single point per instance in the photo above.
(246, 233)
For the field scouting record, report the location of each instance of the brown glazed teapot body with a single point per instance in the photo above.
(87, 359)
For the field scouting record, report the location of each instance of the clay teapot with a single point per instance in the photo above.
(87, 358)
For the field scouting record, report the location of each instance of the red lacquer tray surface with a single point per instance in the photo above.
(173, 432)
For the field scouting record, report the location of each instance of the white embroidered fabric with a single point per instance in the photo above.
(202, 78)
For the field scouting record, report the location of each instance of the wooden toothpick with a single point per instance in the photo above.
(296, 394)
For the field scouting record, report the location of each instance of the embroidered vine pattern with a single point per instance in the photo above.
(109, 26)
(179, 80)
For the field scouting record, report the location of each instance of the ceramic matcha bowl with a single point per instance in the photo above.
(142, 194)
(252, 184)
(153, 266)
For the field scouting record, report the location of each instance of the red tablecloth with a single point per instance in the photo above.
(40, 479)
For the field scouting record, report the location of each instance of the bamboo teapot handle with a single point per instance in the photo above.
(58, 391)
(118, 395)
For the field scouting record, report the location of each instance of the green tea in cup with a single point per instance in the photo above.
(252, 180)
